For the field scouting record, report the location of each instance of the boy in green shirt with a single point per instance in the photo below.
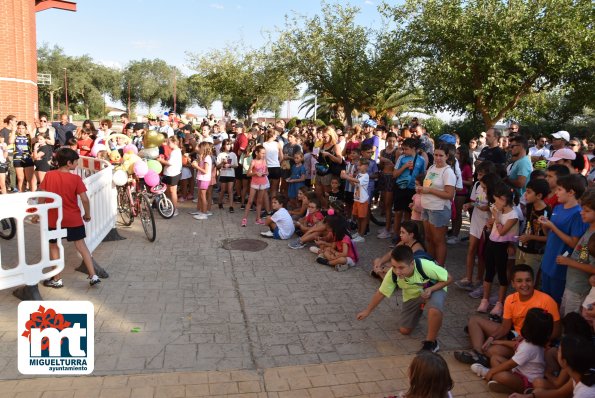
(424, 284)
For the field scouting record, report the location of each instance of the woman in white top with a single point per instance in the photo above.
(436, 196)
(172, 171)
(273, 156)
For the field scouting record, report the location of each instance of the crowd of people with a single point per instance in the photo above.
(530, 205)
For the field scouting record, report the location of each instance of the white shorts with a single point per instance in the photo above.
(261, 187)
(478, 222)
(186, 173)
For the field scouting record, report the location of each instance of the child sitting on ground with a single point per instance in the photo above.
(335, 193)
(313, 217)
(315, 233)
(303, 198)
(340, 252)
(527, 364)
(280, 223)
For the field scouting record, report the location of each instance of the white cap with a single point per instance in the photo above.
(564, 135)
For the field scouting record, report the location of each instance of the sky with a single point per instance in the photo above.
(114, 32)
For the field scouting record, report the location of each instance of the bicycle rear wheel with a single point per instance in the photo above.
(165, 207)
(377, 215)
(146, 217)
(8, 228)
(125, 206)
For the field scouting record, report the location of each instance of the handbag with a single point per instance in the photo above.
(321, 169)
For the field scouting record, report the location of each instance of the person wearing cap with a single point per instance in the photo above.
(560, 139)
(371, 138)
(164, 127)
(540, 151)
(492, 151)
(564, 156)
(520, 169)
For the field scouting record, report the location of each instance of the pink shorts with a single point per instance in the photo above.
(203, 184)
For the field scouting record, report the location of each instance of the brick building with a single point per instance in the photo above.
(18, 46)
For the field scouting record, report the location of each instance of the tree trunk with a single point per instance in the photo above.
(87, 112)
(348, 119)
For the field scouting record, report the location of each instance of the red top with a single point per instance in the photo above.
(68, 186)
(81, 143)
(240, 144)
(552, 201)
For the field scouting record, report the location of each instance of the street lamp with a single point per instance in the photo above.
(66, 89)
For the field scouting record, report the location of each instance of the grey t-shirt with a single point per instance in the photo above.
(578, 281)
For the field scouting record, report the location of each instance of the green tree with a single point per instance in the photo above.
(147, 81)
(486, 56)
(335, 57)
(245, 81)
(51, 60)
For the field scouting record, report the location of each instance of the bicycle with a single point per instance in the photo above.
(162, 203)
(136, 203)
(8, 228)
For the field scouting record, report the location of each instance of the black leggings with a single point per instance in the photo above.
(496, 259)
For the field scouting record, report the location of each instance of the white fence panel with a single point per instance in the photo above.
(97, 176)
(19, 206)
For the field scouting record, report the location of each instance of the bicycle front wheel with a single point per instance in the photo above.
(8, 228)
(165, 207)
(125, 206)
(146, 217)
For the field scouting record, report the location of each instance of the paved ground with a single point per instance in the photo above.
(200, 307)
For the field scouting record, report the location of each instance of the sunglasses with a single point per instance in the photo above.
(43, 121)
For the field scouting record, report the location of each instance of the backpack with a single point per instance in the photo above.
(419, 255)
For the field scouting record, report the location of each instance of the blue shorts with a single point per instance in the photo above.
(276, 233)
(438, 218)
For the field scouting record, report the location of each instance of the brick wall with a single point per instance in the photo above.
(18, 69)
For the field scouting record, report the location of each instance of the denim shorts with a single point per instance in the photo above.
(438, 218)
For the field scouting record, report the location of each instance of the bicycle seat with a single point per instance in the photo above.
(158, 189)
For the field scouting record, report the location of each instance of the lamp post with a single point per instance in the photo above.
(66, 90)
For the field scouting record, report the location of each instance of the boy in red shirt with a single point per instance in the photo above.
(69, 187)
(552, 174)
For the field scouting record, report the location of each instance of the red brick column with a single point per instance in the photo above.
(18, 69)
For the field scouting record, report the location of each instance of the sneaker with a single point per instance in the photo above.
(259, 221)
(357, 238)
(464, 284)
(384, 234)
(453, 240)
(195, 213)
(341, 267)
(94, 280)
(231, 209)
(195, 200)
(220, 206)
(263, 214)
(244, 222)
(208, 213)
(176, 213)
(315, 249)
(494, 386)
(322, 260)
(53, 283)
(200, 216)
(296, 244)
(479, 370)
(494, 298)
(477, 293)
(432, 346)
(267, 234)
(483, 306)
(497, 310)
(243, 207)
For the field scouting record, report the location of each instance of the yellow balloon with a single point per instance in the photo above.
(153, 139)
(133, 158)
(115, 157)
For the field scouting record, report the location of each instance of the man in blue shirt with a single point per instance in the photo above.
(371, 137)
(64, 130)
(520, 169)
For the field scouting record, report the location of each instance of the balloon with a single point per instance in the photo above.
(128, 166)
(133, 158)
(120, 178)
(115, 157)
(153, 139)
(155, 166)
(131, 149)
(141, 169)
(97, 148)
(149, 153)
(151, 178)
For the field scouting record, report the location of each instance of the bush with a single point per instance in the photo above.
(291, 123)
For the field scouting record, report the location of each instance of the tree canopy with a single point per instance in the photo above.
(489, 55)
